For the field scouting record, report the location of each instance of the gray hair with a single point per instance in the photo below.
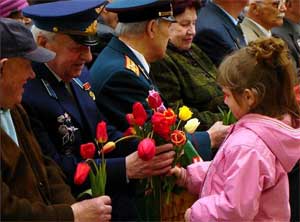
(37, 31)
(131, 29)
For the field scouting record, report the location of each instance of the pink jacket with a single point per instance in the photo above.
(247, 180)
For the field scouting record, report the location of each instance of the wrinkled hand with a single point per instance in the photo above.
(217, 133)
(187, 215)
(93, 210)
(137, 168)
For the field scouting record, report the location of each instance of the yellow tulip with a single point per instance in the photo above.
(185, 113)
(191, 125)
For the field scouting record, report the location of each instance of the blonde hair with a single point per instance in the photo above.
(266, 68)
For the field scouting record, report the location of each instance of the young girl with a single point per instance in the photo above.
(247, 180)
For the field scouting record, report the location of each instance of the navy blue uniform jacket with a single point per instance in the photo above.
(216, 34)
(117, 88)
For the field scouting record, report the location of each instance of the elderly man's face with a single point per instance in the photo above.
(160, 40)
(70, 57)
(14, 74)
(271, 12)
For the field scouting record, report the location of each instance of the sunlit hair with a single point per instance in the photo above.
(265, 68)
(131, 29)
(36, 32)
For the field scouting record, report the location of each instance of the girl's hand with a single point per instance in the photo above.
(187, 215)
(180, 173)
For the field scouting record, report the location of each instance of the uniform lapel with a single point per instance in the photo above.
(86, 104)
(64, 98)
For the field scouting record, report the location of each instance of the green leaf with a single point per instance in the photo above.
(89, 192)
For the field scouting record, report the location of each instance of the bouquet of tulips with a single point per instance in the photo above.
(163, 125)
(96, 172)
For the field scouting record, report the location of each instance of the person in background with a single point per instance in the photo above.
(186, 76)
(62, 109)
(120, 75)
(32, 185)
(217, 30)
(290, 30)
(13, 9)
(250, 169)
(261, 17)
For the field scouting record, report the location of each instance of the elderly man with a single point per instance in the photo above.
(290, 30)
(217, 31)
(64, 115)
(32, 186)
(262, 16)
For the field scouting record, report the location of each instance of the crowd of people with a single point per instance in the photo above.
(66, 65)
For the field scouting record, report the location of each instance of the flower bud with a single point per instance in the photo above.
(82, 171)
(87, 151)
(101, 133)
(130, 119)
(191, 125)
(130, 131)
(108, 147)
(139, 113)
(146, 149)
(178, 138)
(185, 113)
(154, 99)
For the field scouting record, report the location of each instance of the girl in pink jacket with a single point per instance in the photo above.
(247, 180)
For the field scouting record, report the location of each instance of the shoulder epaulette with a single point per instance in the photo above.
(49, 89)
(129, 64)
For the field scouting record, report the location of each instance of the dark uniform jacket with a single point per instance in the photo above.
(216, 34)
(32, 185)
(189, 78)
(290, 33)
(119, 80)
(62, 123)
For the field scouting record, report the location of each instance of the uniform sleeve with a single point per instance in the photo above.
(15, 208)
(245, 172)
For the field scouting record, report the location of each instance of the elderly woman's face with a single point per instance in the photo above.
(183, 32)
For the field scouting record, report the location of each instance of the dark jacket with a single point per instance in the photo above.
(118, 87)
(189, 78)
(62, 123)
(216, 34)
(32, 185)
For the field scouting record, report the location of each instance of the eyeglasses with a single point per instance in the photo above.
(276, 4)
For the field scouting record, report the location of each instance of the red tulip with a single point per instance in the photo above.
(87, 151)
(82, 171)
(146, 149)
(130, 131)
(160, 125)
(130, 119)
(154, 99)
(139, 113)
(178, 138)
(101, 133)
(170, 116)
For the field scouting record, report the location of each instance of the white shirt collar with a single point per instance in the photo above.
(140, 57)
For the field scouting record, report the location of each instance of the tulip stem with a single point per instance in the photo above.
(127, 137)
(178, 125)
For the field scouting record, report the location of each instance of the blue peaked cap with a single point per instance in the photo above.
(141, 10)
(76, 18)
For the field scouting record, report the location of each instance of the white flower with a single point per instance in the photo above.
(191, 125)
